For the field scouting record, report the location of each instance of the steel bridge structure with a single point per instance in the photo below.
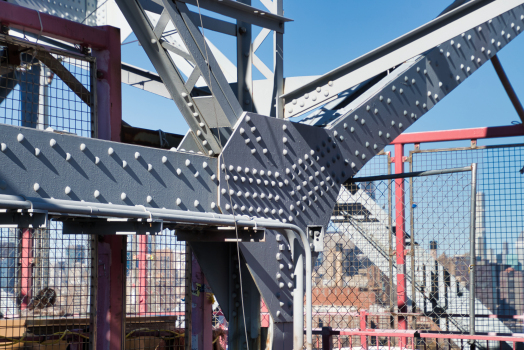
(251, 190)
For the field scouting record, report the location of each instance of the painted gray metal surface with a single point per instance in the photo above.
(281, 170)
(205, 61)
(75, 168)
(378, 116)
(271, 266)
(166, 68)
(420, 40)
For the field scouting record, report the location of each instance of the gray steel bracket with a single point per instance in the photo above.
(112, 227)
(221, 235)
(316, 237)
(23, 218)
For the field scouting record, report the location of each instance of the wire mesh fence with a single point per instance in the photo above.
(156, 291)
(46, 277)
(42, 89)
(45, 294)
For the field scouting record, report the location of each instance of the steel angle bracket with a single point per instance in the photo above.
(113, 227)
(23, 218)
(221, 235)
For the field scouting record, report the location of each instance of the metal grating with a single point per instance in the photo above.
(156, 292)
(36, 95)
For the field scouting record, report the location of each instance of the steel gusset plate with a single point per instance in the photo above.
(45, 164)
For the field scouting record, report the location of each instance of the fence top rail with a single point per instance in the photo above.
(412, 174)
(460, 134)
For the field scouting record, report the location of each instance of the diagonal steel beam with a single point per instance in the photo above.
(169, 73)
(396, 52)
(204, 60)
(69, 79)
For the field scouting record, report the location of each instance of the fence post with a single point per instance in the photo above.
(400, 241)
(27, 267)
(363, 327)
(327, 338)
(142, 274)
(472, 253)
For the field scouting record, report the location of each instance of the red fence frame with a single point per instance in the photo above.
(104, 42)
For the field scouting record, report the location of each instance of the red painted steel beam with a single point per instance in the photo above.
(460, 134)
(142, 274)
(35, 22)
(27, 267)
(402, 298)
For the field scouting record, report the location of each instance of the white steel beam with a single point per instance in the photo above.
(394, 53)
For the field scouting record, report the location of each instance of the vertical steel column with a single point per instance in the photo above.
(472, 253)
(108, 99)
(278, 65)
(142, 274)
(400, 241)
(27, 267)
(201, 316)
(245, 63)
(188, 298)
(111, 312)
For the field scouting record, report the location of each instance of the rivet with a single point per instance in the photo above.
(356, 117)
(110, 151)
(424, 106)
(37, 152)
(417, 103)
(149, 199)
(362, 122)
(124, 164)
(179, 201)
(183, 94)
(284, 152)
(196, 203)
(195, 175)
(345, 125)
(380, 133)
(188, 162)
(82, 146)
(97, 160)
(68, 157)
(52, 142)
(368, 108)
(97, 193)
(284, 127)
(164, 159)
(123, 196)
(290, 284)
(400, 125)
(405, 112)
(352, 129)
(376, 110)
(413, 81)
(36, 187)
(375, 146)
(67, 190)
(389, 101)
(20, 137)
(387, 135)
(393, 88)
(393, 122)
(149, 167)
(178, 171)
(401, 91)
(458, 46)
(3, 147)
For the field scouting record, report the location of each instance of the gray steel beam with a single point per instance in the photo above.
(171, 77)
(396, 52)
(118, 227)
(210, 23)
(507, 86)
(240, 11)
(45, 164)
(23, 218)
(219, 235)
(245, 63)
(205, 61)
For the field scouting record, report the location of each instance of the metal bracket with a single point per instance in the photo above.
(23, 218)
(316, 236)
(221, 235)
(113, 227)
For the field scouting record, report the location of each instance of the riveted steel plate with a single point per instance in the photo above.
(51, 165)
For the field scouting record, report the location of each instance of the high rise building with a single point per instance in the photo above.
(480, 227)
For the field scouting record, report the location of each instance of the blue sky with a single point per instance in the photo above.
(327, 34)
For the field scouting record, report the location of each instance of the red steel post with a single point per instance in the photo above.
(142, 274)
(400, 241)
(363, 326)
(27, 266)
